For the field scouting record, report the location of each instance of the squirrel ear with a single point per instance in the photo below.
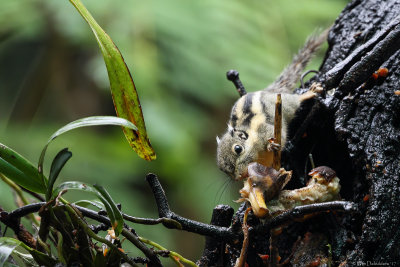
(230, 129)
(218, 140)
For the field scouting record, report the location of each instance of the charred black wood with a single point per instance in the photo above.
(356, 131)
(214, 248)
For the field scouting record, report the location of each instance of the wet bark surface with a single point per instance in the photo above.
(367, 124)
(354, 129)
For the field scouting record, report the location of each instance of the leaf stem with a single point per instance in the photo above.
(173, 255)
(148, 221)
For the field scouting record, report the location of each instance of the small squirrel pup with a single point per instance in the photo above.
(251, 122)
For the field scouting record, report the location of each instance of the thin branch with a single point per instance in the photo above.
(154, 260)
(173, 255)
(311, 161)
(273, 247)
(147, 221)
(187, 225)
(20, 231)
(98, 228)
(233, 76)
(241, 261)
(276, 161)
(223, 233)
(301, 211)
(25, 210)
(18, 191)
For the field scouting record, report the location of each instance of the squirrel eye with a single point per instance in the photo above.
(243, 135)
(237, 149)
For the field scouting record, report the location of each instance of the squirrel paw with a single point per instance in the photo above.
(315, 89)
(272, 146)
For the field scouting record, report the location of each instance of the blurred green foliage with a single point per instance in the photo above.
(52, 72)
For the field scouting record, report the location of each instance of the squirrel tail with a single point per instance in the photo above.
(292, 73)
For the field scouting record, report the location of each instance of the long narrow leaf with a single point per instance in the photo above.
(20, 170)
(85, 122)
(126, 100)
(7, 264)
(58, 163)
(24, 258)
(109, 209)
(6, 248)
(86, 203)
(119, 220)
(73, 185)
(11, 243)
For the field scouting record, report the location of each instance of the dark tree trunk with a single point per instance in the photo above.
(354, 129)
(367, 122)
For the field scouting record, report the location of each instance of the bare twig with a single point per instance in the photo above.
(277, 132)
(18, 191)
(301, 211)
(154, 260)
(221, 233)
(233, 76)
(311, 161)
(176, 257)
(20, 231)
(148, 221)
(241, 261)
(187, 225)
(273, 248)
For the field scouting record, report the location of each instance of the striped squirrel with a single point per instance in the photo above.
(251, 122)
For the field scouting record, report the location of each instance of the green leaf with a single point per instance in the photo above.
(7, 246)
(58, 163)
(73, 185)
(20, 170)
(123, 91)
(25, 259)
(85, 122)
(118, 222)
(109, 210)
(113, 212)
(100, 260)
(86, 203)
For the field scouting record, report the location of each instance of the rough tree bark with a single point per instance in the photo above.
(367, 121)
(354, 129)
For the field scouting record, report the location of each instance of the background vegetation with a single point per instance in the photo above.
(51, 72)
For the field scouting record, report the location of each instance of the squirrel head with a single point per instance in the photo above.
(235, 152)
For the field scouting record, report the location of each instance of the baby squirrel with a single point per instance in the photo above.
(251, 122)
